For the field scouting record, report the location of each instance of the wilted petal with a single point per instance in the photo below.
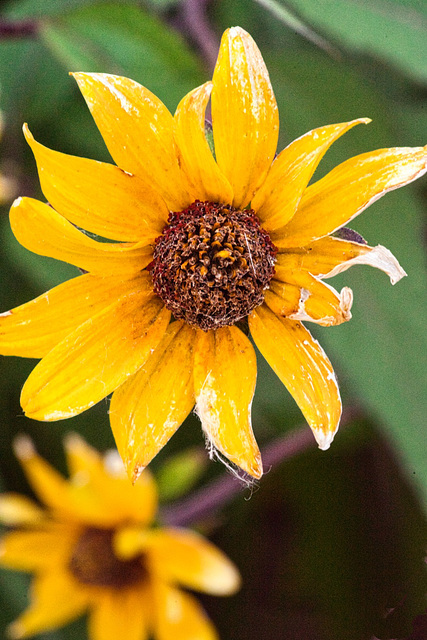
(224, 381)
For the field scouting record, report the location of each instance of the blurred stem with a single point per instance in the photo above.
(222, 490)
(18, 29)
(193, 15)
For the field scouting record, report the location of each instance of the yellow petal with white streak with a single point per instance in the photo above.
(347, 190)
(303, 367)
(196, 159)
(138, 131)
(95, 359)
(245, 117)
(34, 328)
(42, 230)
(147, 410)
(276, 201)
(99, 197)
(224, 381)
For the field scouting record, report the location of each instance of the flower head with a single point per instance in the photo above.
(213, 238)
(92, 549)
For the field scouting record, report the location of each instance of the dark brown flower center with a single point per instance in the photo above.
(212, 264)
(94, 562)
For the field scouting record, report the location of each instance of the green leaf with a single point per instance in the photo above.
(180, 472)
(394, 30)
(123, 39)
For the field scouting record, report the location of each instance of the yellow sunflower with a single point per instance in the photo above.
(91, 549)
(203, 241)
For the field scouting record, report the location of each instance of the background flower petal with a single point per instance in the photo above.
(98, 196)
(138, 131)
(120, 614)
(245, 117)
(18, 510)
(56, 599)
(106, 478)
(180, 616)
(224, 382)
(277, 199)
(47, 547)
(347, 190)
(95, 359)
(180, 556)
(196, 159)
(147, 410)
(301, 364)
(42, 230)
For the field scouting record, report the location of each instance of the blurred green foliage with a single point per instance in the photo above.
(331, 545)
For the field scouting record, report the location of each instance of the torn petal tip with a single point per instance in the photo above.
(137, 470)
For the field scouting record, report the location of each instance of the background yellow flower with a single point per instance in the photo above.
(92, 547)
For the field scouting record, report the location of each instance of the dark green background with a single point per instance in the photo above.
(331, 546)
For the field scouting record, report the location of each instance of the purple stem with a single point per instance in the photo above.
(18, 29)
(193, 15)
(222, 490)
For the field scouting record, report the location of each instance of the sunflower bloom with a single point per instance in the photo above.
(91, 549)
(203, 241)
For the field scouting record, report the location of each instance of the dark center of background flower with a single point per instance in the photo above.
(94, 562)
(212, 264)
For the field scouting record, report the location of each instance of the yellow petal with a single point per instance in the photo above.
(317, 302)
(244, 114)
(147, 410)
(56, 599)
(107, 479)
(303, 367)
(38, 550)
(99, 197)
(206, 178)
(42, 230)
(33, 329)
(224, 382)
(185, 557)
(51, 488)
(138, 131)
(120, 614)
(347, 190)
(18, 510)
(95, 359)
(276, 201)
(180, 616)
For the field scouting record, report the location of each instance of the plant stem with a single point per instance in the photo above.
(222, 490)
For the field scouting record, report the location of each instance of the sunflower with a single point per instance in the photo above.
(205, 242)
(91, 549)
